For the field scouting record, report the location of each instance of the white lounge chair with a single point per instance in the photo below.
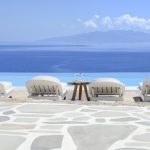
(144, 90)
(5, 88)
(106, 87)
(46, 86)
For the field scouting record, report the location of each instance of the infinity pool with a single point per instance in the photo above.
(129, 79)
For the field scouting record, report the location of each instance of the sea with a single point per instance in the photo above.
(73, 59)
(131, 66)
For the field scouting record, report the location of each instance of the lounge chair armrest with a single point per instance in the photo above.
(64, 87)
(140, 85)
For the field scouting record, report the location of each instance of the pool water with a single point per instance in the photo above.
(129, 79)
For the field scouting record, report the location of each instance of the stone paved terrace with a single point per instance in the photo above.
(60, 126)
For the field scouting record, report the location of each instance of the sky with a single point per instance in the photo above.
(31, 20)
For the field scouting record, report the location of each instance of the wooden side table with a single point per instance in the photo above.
(80, 84)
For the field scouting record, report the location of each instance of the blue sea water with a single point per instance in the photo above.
(32, 59)
(20, 63)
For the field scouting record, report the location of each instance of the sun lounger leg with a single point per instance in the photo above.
(80, 92)
(74, 92)
(86, 92)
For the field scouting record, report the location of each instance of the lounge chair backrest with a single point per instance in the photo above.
(106, 86)
(44, 85)
(146, 87)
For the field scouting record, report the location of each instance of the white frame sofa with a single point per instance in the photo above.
(47, 86)
(5, 88)
(144, 90)
(106, 87)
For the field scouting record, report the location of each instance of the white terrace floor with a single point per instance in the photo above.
(54, 126)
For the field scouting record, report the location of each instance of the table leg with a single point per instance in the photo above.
(74, 92)
(80, 91)
(86, 92)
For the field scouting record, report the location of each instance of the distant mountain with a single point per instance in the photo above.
(99, 39)
(114, 37)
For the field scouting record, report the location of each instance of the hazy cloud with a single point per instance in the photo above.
(97, 16)
(79, 20)
(90, 23)
(107, 21)
(122, 22)
(131, 22)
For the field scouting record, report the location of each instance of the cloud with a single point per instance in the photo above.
(97, 16)
(79, 20)
(90, 23)
(107, 21)
(131, 22)
(125, 22)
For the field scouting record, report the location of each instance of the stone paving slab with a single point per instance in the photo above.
(83, 135)
(26, 120)
(48, 142)
(110, 114)
(10, 142)
(131, 148)
(44, 108)
(53, 126)
(11, 126)
(140, 144)
(125, 119)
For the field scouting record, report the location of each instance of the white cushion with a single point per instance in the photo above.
(44, 83)
(108, 86)
(5, 86)
(107, 82)
(51, 78)
(145, 86)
